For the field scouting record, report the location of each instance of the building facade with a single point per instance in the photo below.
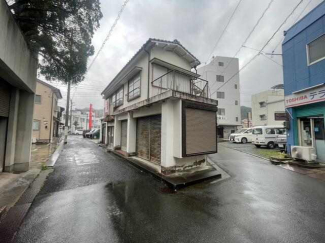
(18, 69)
(80, 120)
(304, 81)
(46, 118)
(268, 107)
(222, 75)
(160, 109)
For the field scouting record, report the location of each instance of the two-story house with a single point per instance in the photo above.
(46, 119)
(304, 81)
(162, 114)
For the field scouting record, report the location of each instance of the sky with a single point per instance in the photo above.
(197, 24)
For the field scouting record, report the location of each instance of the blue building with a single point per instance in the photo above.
(304, 81)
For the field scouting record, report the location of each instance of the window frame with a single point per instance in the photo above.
(40, 102)
(132, 80)
(39, 125)
(221, 64)
(236, 102)
(224, 94)
(115, 94)
(221, 109)
(236, 86)
(223, 78)
(307, 50)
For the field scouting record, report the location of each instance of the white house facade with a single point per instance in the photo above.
(222, 75)
(158, 111)
(268, 107)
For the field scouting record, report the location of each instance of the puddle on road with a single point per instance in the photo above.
(85, 157)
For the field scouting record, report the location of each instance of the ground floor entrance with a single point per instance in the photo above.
(311, 133)
(124, 132)
(149, 138)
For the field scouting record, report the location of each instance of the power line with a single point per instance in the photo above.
(268, 41)
(224, 30)
(247, 38)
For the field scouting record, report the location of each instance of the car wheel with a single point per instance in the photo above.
(257, 146)
(244, 140)
(271, 145)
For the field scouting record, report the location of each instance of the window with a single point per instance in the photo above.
(257, 131)
(221, 111)
(38, 99)
(263, 117)
(262, 104)
(280, 116)
(236, 87)
(316, 50)
(269, 131)
(221, 64)
(281, 131)
(220, 95)
(220, 78)
(36, 125)
(118, 98)
(236, 102)
(134, 88)
(249, 131)
(236, 119)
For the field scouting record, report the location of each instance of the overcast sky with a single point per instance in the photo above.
(197, 24)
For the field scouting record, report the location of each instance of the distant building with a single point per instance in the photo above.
(268, 107)
(247, 122)
(304, 81)
(46, 118)
(18, 69)
(219, 71)
(80, 120)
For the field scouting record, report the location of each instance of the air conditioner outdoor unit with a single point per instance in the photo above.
(304, 153)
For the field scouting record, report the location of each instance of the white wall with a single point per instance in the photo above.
(274, 100)
(230, 68)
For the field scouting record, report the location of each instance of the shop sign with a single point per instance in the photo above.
(305, 97)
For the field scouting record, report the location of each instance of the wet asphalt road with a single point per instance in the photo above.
(93, 196)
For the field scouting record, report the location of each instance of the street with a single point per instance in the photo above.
(94, 196)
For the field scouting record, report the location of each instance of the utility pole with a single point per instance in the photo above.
(71, 116)
(66, 128)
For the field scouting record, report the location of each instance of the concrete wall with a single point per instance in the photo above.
(274, 100)
(17, 65)
(230, 68)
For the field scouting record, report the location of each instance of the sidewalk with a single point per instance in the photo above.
(13, 186)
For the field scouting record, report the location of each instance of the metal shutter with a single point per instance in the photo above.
(200, 131)
(149, 138)
(143, 126)
(124, 135)
(4, 99)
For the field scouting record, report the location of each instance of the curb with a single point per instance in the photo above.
(251, 154)
(54, 157)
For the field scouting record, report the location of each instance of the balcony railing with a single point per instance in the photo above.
(177, 81)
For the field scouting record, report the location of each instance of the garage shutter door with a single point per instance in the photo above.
(124, 135)
(4, 99)
(200, 131)
(149, 138)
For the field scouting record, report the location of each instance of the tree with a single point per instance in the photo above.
(76, 124)
(60, 32)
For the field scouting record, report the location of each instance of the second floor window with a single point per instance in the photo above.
(236, 87)
(38, 99)
(220, 95)
(134, 88)
(236, 102)
(262, 104)
(221, 111)
(118, 98)
(221, 64)
(220, 78)
(316, 50)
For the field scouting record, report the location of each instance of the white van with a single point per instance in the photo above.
(267, 135)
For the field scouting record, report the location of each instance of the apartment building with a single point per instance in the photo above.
(268, 107)
(160, 108)
(46, 118)
(80, 120)
(222, 75)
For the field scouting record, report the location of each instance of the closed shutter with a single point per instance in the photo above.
(4, 99)
(155, 139)
(143, 126)
(124, 135)
(149, 138)
(200, 131)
